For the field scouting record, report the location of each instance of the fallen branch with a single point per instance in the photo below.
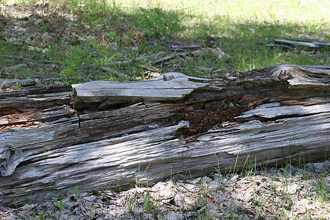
(294, 43)
(9, 83)
(152, 57)
(110, 70)
(30, 60)
(138, 133)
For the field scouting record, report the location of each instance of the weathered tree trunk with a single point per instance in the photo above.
(122, 134)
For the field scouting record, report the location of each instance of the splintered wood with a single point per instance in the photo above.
(122, 134)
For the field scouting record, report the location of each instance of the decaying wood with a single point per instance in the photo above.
(12, 105)
(8, 83)
(122, 134)
(29, 60)
(49, 114)
(304, 43)
(168, 87)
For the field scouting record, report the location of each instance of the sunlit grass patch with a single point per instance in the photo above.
(124, 30)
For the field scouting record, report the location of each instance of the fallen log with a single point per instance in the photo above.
(123, 134)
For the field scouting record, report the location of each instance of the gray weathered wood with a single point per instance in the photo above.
(167, 87)
(11, 105)
(172, 126)
(304, 43)
(8, 83)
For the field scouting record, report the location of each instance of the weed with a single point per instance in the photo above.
(17, 86)
(307, 213)
(148, 206)
(296, 4)
(159, 23)
(60, 205)
(284, 213)
(322, 190)
(41, 217)
(76, 188)
(131, 205)
(139, 175)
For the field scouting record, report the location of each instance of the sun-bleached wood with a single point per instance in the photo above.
(174, 126)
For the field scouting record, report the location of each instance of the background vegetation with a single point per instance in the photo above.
(80, 38)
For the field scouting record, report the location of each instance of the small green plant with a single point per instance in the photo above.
(297, 4)
(322, 191)
(76, 188)
(41, 217)
(308, 214)
(232, 215)
(17, 86)
(201, 201)
(159, 23)
(284, 214)
(60, 205)
(76, 63)
(139, 175)
(272, 14)
(131, 205)
(148, 206)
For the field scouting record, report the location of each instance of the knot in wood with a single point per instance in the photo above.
(168, 77)
(285, 74)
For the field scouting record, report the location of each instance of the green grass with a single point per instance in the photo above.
(100, 31)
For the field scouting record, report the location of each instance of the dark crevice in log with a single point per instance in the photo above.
(47, 115)
(34, 91)
(265, 120)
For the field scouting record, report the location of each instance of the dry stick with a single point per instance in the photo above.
(310, 44)
(185, 47)
(150, 68)
(168, 57)
(152, 57)
(14, 67)
(30, 60)
(110, 70)
(191, 6)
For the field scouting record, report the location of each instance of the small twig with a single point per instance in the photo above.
(191, 6)
(168, 57)
(110, 70)
(152, 57)
(30, 60)
(185, 47)
(300, 43)
(150, 68)
(26, 18)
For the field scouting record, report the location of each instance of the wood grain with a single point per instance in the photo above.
(174, 126)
